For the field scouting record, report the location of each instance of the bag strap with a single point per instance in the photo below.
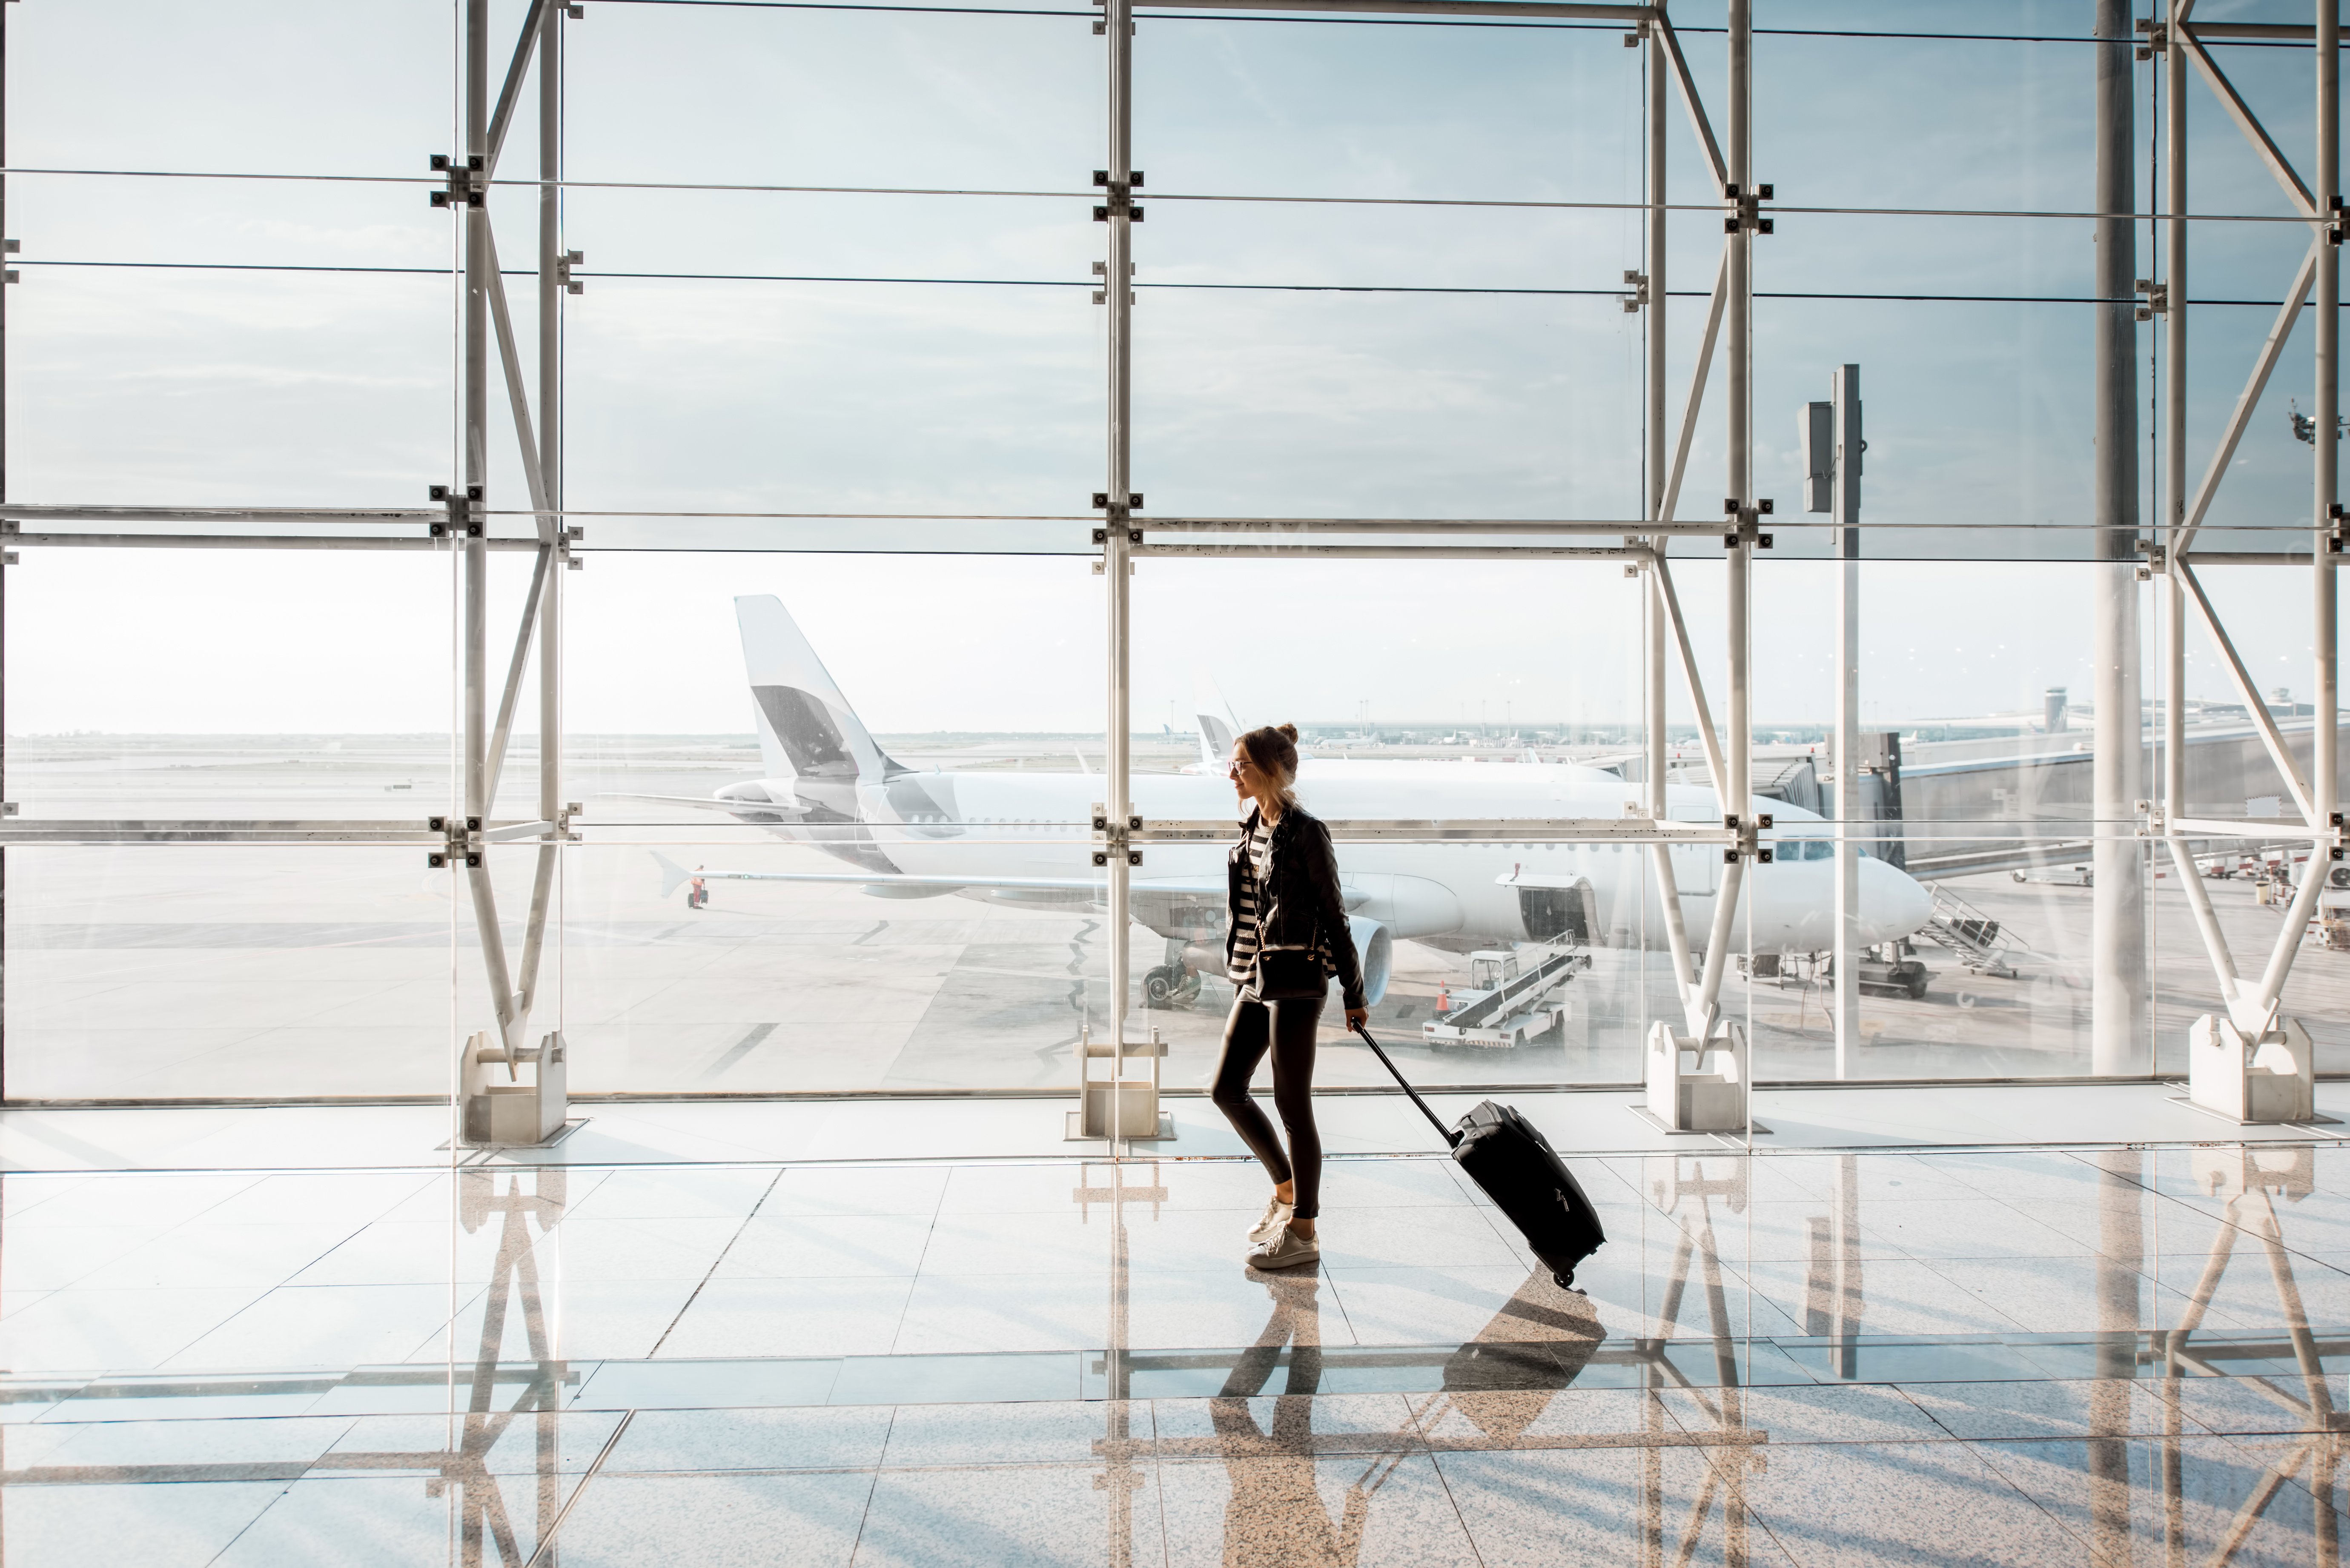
(1451, 1138)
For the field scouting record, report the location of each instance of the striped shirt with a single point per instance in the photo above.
(1248, 922)
(1247, 925)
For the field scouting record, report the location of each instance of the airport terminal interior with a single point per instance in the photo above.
(634, 636)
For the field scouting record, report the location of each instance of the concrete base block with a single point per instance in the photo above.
(2268, 1078)
(1697, 1085)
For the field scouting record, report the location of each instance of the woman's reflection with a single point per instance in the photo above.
(1501, 1381)
(1276, 1517)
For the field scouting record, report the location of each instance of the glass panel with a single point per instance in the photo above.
(133, 689)
(773, 96)
(228, 389)
(208, 971)
(1266, 405)
(799, 399)
(970, 692)
(112, 85)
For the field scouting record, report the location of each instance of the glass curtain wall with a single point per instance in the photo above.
(230, 321)
(801, 349)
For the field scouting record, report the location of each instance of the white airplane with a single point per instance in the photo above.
(830, 785)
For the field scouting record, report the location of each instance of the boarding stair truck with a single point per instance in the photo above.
(1507, 1003)
(1974, 937)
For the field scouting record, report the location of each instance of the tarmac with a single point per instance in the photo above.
(287, 972)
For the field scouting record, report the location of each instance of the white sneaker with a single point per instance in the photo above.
(1277, 1214)
(1286, 1249)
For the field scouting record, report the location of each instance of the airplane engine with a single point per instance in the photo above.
(1375, 949)
(1410, 906)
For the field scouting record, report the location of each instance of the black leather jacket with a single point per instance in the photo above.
(1303, 901)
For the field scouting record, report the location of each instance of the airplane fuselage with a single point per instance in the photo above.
(1014, 823)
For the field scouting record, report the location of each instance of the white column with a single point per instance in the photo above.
(2117, 941)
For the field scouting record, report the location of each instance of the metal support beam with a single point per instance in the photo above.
(2327, 401)
(534, 23)
(1704, 368)
(1629, 14)
(2272, 347)
(1730, 759)
(540, 575)
(2207, 926)
(2118, 1039)
(509, 366)
(1712, 743)
(1844, 402)
(2246, 121)
(1307, 526)
(1659, 503)
(2296, 923)
(1738, 375)
(281, 516)
(1118, 574)
(1690, 101)
(1396, 552)
(244, 541)
(549, 468)
(2177, 529)
(473, 559)
(2256, 705)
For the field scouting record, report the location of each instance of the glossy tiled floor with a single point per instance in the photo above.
(1800, 1358)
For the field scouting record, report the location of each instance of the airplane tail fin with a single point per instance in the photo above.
(1218, 728)
(673, 875)
(806, 727)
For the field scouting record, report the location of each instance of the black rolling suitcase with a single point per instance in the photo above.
(1509, 1158)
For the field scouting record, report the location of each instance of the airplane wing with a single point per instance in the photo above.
(673, 875)
(762, 808)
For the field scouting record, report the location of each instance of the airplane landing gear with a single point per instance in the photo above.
(1170, 985)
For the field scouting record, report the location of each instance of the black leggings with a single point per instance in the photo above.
(1288, 1028)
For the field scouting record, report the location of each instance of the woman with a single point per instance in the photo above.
(1282, 901)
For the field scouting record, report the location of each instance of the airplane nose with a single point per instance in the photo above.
(1892, 902)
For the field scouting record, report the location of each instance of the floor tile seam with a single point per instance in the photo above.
(258, 1515)
(1758, 1515)
(2015, 1324)
(554, 1528)
(1734, 1495)
(864, 1510)
(711, 1272)
(1158, 1495)
(315, 1261)
(654, 1472)
(1460, 1516)
(446, 1328)
(2296, 1477)
(906, 1308)
(2085, 1542)
(1347, 1318)
(188, 1344)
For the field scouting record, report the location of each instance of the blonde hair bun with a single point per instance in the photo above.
(1289, 731)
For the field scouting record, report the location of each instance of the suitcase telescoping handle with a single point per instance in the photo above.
(1450, 1138)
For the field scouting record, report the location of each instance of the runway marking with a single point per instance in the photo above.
(740, 1049)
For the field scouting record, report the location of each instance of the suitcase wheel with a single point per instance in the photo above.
(1566, 1279)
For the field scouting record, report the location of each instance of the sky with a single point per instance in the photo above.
(173, 384)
